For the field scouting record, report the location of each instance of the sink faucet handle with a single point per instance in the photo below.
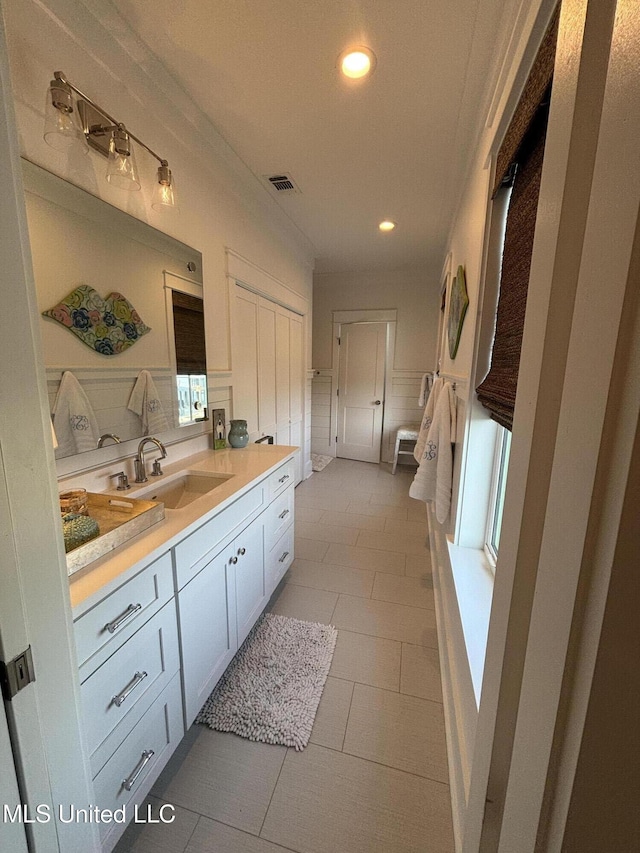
(157, 470)
(123, 481)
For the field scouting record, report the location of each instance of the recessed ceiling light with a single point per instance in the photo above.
(387, 225)
(357, 62)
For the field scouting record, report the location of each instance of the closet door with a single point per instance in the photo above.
(244, 354)
(283, 385)
(267, 344)
(267, 419)
(296, 362)
(296, 385)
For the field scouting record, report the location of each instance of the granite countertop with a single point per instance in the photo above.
(246, 466)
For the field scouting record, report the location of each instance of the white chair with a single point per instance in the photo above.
(406, 437)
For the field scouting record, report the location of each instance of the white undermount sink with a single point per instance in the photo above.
(179, 490)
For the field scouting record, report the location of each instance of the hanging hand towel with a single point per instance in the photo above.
(76, 427)
(425, 387)
(145, 402)
(433, 478)
(427, 418)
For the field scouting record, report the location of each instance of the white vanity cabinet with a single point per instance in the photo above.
(217, 609)
(222, 599)
(130, 688)
(152, 650)
(251, 591)
(208, 636)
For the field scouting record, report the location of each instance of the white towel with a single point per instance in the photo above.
(432, 481)
(76, 427)
(425, 388)
(427, 418)
(145, 402)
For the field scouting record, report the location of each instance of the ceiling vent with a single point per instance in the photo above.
(282, 183)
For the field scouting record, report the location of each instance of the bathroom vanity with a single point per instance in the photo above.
(158, 620)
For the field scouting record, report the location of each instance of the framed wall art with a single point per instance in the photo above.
(458, 304)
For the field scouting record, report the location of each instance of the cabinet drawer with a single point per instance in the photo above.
(279, 559)
(278, 517)
(101, 630)
(119, 692)
(280, 479)
(136, 764)
(190, 554)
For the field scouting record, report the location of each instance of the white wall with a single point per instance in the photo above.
(413, 294)
(221, 203)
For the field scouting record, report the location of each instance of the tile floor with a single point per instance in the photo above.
(374, 777)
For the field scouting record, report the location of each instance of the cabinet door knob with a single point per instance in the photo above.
(233, 560)
(242, 551)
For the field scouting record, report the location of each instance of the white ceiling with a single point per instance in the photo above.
(396, 145)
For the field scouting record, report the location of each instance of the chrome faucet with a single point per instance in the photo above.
(106, 436)
(141, 474)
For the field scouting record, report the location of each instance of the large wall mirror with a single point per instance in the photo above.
(132, 366)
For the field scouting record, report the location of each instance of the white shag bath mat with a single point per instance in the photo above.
(318, 461)
(272, 688)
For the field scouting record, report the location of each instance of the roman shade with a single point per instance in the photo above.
(533, 94)
(188, 326)
(520, 157)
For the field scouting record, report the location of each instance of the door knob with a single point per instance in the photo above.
(377, 402)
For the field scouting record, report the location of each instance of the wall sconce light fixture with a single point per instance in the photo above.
(79, 122)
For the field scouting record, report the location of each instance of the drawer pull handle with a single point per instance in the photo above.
(129, 782)
(282, 514)
(137, 679)
(284, 557)
(112, 627)
(242, 551)
(233, 560)
(282, 479)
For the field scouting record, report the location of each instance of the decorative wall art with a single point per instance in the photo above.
(108, 326)
(458, 304)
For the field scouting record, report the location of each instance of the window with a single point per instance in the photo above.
(191, 368)
(496, 498)
(192, 397)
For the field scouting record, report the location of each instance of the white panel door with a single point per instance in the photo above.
(244, 352)
(296, 364)
(266, 367)
(361, 376)
(12, 835)
(296, 390)
(295, 440)
(283, 383)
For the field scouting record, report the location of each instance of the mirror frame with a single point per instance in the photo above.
(59, 191)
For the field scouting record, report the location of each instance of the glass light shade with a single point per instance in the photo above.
(387, 225)
(164, 193)
(122, 171)
(62, 129)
